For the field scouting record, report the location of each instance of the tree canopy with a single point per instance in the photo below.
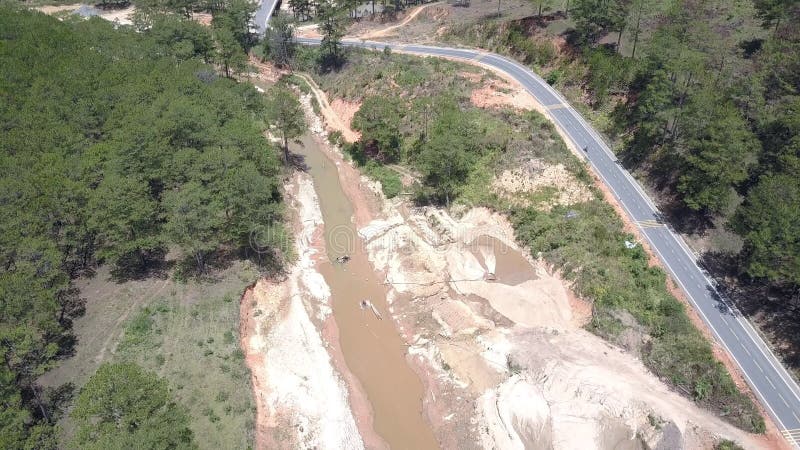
(117, 146)
(123, 407)
(378, 120)
(769, 222)
(710, 111)
(286, 115)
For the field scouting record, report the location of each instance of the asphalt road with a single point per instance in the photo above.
(770, 381)
(263, 13)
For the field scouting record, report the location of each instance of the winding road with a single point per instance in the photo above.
(770, 381)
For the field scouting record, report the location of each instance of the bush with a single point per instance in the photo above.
(335, 138)
(389, 179)
(588, 247)
(531, 51)
(138, 330)
(554, 76)
(726, 444)
(228, 337)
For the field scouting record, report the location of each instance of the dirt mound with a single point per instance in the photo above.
(574, 389)
(535, 176)
(345, 111)
(498, 94)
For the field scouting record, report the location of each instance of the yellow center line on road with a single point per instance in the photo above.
(557, 106)
(650, 223)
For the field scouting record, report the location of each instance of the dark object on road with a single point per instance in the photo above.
(342, 259)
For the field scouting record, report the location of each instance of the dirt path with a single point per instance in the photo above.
(385, 31)
(114, 337)
(331, 118)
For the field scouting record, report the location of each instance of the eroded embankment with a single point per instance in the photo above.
(302, 401)
(494, 335)
(328, 380)
(508, 342)
(498, 340)
(372, 348)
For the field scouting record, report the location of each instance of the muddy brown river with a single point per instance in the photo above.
(372, 347)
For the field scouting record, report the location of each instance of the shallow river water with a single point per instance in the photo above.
(373, 349)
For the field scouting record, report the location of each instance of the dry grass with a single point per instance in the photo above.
(186, 332)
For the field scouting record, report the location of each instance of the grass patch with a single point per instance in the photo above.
(369, 73)
(186, 332)
(389, 179)
(727, 444)
(195, 346)
(297, 81)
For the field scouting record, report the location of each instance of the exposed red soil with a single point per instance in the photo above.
(247, 327)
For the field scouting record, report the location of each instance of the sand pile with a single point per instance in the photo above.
(514, 351)
(575, 389)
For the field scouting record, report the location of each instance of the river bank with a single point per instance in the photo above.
(502, 354)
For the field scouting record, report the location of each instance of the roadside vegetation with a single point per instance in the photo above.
(416, 112)
(127, 154)
(700, 100)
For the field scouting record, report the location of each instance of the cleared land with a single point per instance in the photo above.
(186, 332)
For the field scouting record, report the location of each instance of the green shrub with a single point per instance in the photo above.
(335, 137)
(228, 337)
(138, 330)
(553, 76)
(588, 246)
(726, 444)
(530, 50)
(389, 179)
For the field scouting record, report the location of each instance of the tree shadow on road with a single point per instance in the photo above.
(775, 310)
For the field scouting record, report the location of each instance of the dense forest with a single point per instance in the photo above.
(702, 101)
(117, 148)
(710, 108)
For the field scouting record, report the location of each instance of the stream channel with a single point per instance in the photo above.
(373, 348)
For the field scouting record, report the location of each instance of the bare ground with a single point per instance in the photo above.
(301, 399)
